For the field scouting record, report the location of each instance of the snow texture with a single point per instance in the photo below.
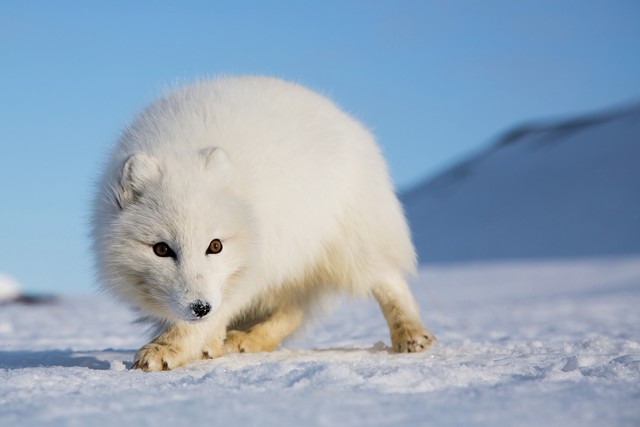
(527, 344)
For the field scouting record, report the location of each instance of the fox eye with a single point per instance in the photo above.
(163, 250)
(215, 247)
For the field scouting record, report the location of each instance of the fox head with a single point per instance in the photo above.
(178, 238)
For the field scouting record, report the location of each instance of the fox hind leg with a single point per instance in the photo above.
(408, 334)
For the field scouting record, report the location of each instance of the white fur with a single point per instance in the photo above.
(296, 190)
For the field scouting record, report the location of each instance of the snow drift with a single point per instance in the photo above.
(9, 288)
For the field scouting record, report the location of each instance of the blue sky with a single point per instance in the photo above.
(433, 80)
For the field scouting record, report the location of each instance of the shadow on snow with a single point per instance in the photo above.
(54, 358)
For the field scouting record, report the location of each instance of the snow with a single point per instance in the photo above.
(561, 190)
(520, 343)
(9, 288)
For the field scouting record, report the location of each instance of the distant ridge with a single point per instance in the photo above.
(565, 189)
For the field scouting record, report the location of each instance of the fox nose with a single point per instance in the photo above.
(200, 308)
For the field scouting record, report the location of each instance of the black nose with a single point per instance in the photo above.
(200, 308)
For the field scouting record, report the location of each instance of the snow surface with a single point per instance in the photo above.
(526, 344)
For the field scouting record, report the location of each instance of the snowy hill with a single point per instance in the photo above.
(562, 190)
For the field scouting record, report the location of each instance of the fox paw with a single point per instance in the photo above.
(157, 357)
(407, 339)
(247, 342)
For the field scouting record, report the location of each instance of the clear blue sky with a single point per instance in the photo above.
(433, 79)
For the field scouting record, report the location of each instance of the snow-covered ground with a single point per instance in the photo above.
(526, 344)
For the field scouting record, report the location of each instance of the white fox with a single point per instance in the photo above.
(229, 207)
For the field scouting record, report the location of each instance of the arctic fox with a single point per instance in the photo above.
(229, 207)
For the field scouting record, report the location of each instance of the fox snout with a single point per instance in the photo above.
(200, 308)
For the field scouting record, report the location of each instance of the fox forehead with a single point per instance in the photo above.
(179, 226)
(185, 213)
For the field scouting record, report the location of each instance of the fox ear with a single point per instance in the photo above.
(217, 163)
(138, 172)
